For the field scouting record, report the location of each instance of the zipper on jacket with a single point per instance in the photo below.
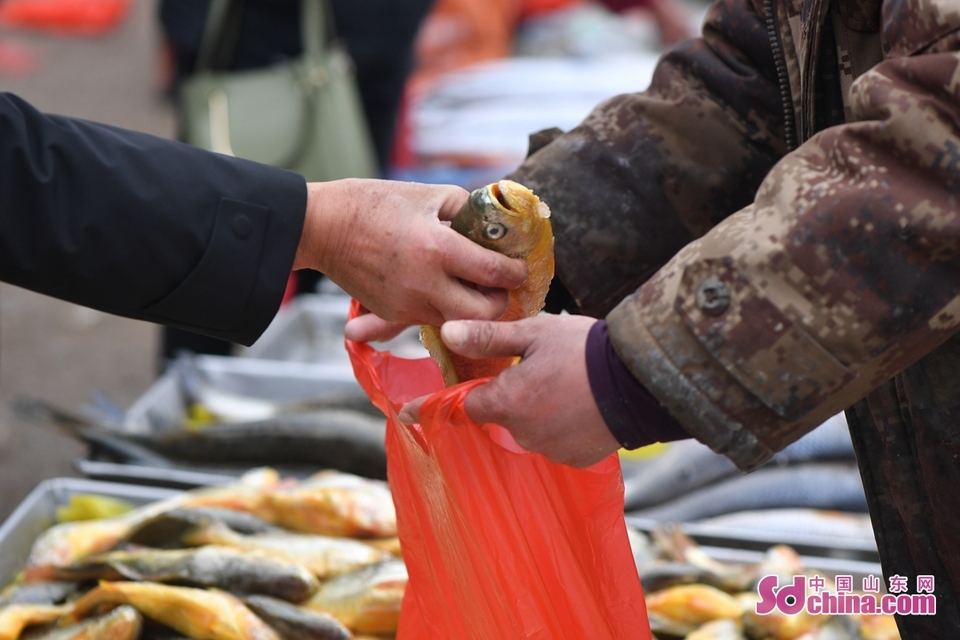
(789, 121)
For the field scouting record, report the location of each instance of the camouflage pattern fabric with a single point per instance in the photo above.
(772, 231)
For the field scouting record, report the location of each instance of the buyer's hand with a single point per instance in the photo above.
(384, 243)
(545, 400)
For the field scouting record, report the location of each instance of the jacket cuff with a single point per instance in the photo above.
(704, 416)
(632, 414)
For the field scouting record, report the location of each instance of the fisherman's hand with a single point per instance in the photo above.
(385, 244)
(545, 401)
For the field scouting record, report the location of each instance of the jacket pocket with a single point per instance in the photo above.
(215, 294)
(753, 340)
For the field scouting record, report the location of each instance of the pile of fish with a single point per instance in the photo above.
(689, 482)
(692, 596)
(223, 432)
(261, 559)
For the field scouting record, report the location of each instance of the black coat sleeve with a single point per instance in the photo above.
(143, 227)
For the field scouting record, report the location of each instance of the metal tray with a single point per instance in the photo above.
(265, 379)
(174, 478)
(310, 329)
(37, 513)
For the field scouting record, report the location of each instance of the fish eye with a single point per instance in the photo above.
(494, 231)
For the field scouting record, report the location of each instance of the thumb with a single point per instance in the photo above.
(410, 412)
(481, 339)
(370, 328)
(452, 200)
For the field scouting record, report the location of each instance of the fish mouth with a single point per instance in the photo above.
(502, 197)
(515, 199)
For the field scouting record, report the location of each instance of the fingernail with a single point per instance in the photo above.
(405, 416)
(454, 333)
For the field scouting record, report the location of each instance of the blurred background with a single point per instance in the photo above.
(483, 76)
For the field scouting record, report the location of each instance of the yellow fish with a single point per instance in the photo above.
(203, 614)
(694, 604)
(123, 623)
(15, 618)
(508, 218)
(335, 504)
(66, 543)
(365, 601)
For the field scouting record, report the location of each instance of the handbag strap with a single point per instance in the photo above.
(316, 24)
(223, 22)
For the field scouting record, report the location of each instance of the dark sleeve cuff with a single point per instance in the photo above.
(632, 414)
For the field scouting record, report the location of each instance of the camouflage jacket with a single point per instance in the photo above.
(772, 229)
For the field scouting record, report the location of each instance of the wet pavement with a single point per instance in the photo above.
(51, 349)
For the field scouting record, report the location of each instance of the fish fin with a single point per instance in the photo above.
(430, 337)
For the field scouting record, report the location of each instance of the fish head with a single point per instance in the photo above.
(505, 217)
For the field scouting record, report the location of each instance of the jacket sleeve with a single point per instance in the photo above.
(843, 271)
(646, 173)
(144, 227)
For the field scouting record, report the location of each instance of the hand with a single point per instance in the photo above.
(385, 243)
(367, 327)
(545, 401)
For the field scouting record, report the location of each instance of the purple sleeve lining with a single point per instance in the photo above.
(631, 412)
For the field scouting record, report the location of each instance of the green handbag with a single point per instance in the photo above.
(303, 114)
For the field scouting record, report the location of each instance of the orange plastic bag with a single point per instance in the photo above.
(87, 17)
(499, 543)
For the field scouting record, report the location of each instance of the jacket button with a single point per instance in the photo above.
(242, 227)
(713, 297)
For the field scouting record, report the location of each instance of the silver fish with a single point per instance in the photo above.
(166, 529)
(209, 566)
(822, 485)
(327, 437)
(296, 623)
(324, 556)
(50, 592)
(689, 465)
(813, 524)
